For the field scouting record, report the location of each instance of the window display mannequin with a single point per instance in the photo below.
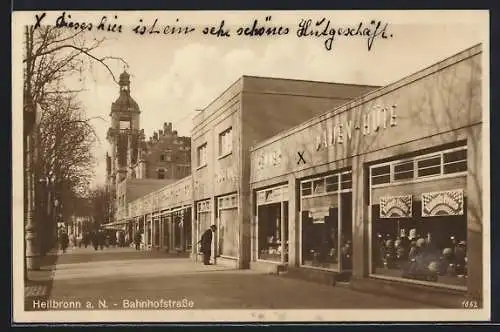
(389, 257)
(347, 256)
(447, 262)
(401, 252)
(460, 259)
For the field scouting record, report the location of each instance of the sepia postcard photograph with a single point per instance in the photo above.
(250, 166)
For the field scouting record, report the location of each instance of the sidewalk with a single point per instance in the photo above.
(124, 283)
(40, 282)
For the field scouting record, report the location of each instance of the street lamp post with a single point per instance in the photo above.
(31, 253)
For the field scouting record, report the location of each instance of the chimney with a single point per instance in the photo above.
(155, 136)
(175, 132)
(160, 132)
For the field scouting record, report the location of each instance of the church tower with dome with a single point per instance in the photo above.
(124, 135)
(135, 165)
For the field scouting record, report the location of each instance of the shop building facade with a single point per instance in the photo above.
(385, 190)
(164, 217)
(250, 110)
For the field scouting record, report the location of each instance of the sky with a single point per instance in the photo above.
(173, 75)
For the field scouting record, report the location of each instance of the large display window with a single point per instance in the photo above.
(165, 222)
(187, 229)
(272, 224)
(148, 236)
(228, 227)
(326, 222)
(177, 216)
(156, 231)
(419, 232)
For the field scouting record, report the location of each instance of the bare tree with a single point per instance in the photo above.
(52, 56)
(64, 161)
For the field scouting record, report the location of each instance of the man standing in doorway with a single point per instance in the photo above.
(206, 244)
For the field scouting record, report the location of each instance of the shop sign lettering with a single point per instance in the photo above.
(396, 206)
(443, 203)
(225, 175)
(372, 122)
(266, 159)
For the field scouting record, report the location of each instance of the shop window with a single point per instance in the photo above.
(381, 174)
(332, 183)
(455, 161)
(306, 188)
(319, 240)
(271, 226)
(404, 171)
(319, 186)
(427, 247)
(202, 155)
(346, 179)
(225, 142)
(429, 166)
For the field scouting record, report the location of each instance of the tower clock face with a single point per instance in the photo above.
(124, 88)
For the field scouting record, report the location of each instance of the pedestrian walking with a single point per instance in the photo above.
(63, 240)
(206, 244)
(94, 237)
(137, 241)
(101, 239)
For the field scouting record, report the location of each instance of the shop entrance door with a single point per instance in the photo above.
(345, 232)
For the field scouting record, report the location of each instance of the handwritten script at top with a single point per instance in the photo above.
(323, 29)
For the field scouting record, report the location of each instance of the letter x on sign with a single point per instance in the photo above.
(301, 158)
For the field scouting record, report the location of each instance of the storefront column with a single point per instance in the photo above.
(171, 232)
(474, 216)
(160, 236)
(360, 231)
(152, 231)
(194, 239)
(245, 218)
(182, 240)
(293, 222)
(282, 231)
(145, 230)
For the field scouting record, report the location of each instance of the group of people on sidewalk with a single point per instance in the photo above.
(98, 238)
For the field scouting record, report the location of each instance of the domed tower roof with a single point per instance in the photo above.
(125, 102)
(124, 78)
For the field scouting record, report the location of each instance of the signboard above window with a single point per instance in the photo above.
(318, 214)
(443, 203)
(272, 195)
(396, 206)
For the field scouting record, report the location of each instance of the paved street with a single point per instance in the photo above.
(122, 277)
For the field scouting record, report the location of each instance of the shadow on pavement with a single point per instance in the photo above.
(38, 287)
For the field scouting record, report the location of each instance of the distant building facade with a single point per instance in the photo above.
(165, 156)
